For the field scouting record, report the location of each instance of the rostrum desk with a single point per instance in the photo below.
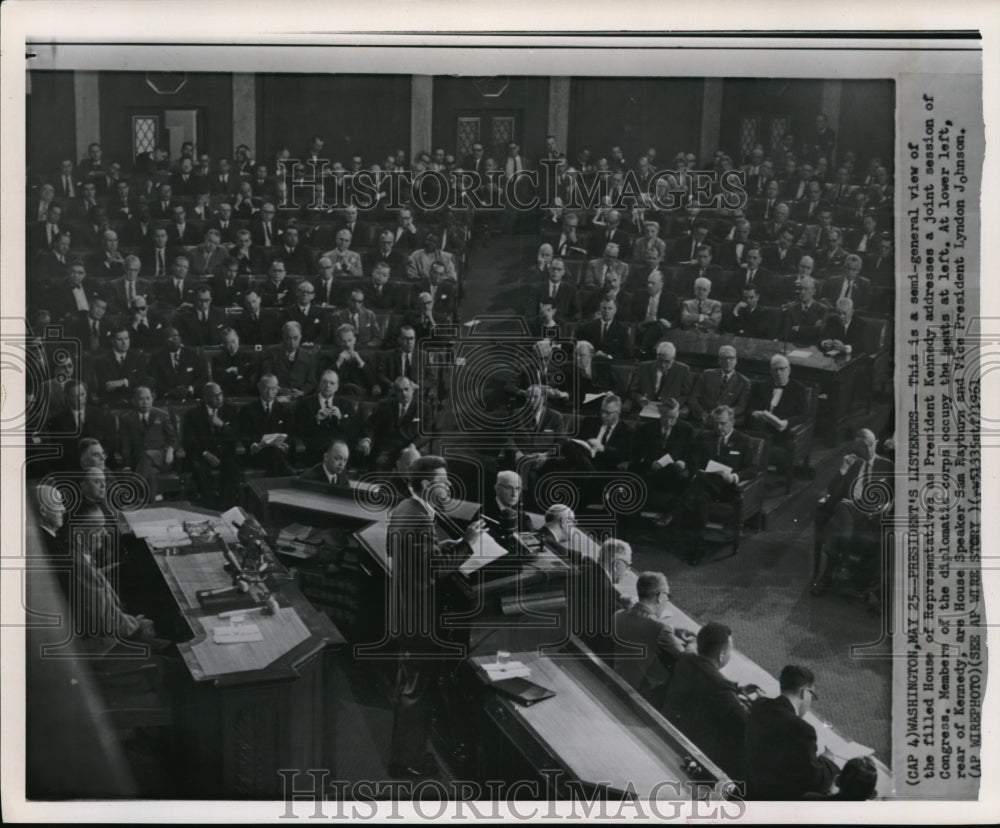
(256, 707)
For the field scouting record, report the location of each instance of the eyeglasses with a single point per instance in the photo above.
(814, 694)
(663, 592)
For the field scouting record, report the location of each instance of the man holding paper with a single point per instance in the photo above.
(663, 457)
(723, 460)
(778, 405)
(663, 378)
(420, 554)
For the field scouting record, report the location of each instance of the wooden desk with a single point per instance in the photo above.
(597, 729)
(256, 707)
(834, 376)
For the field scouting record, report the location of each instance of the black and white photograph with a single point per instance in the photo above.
(587, 426)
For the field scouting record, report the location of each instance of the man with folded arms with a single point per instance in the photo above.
(211, 431)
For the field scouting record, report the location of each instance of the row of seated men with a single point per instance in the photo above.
(674, 236)
(211, 258)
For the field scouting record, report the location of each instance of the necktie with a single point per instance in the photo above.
(701, 307)
(406, 366)
(129, 292)
(750, 275)
(857, 491)
(604, 331)
(722, 447)
(267, 410)
(848, 284)
(174, 359)
(95, 336)
(160, 266)
(267, 234)
(725, 381)
(659, 380)
(145, 422)
(402, 411)
(605, 435)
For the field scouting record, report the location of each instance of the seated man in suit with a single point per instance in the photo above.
(666, 479)
(256, 328)
(278, 290)
(851, 512)
(611, 289)
(646, 646)
(293, 366)
(805, 318)
(296, 257)
(783, 257)
(176, 372)
(263, 416)
(228, 287)
(362, 320)
(719, 386)
(851, 285)
(148, 439)
(201, 325)
(781, 749)
(77, 421)
(418, 265)
(108, 263)
(311, 319)
(381, 294)
(118, 373)
(91, 328)
(535, 432)
(120, 292)
(662, 378)
(326, 416)
(650, 247)
(610, 441)
(406, 361)
(234, 371)
(747, 318)
(753, 274)
(389, 254)
(328, 291)
(558, 291)
(332, 469)
(395, 424)
(705, 705)
(357, 374)
(701, 313)
(249, 259)
(346, 262)
(209, 256)
(777, 405)
(547, 324)
(598, 269)
(609, 337)
(842, 333)
(504, 512)
(728, 448)
(567, 243)
(178, 290)
(210, 434)
(656, 311)
(145, 329)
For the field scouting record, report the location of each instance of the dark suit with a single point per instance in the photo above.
(389, 366)
(390, 433)
(615, 342)
(600, 237)
(61, 298)
(263, 239)
(536, 436)
(103, 268)
(390, 297)
(314, 323)
(318, 474)
(277, 295)
(235, 373)
(333, 294)
(117, 295)
(108, 369)
(650, 446)
(197, 333)
(617, 449)
(299, 374)
(420, 552)
(226, 295)
(149, 265)
(708, 393)
(853, 336)
(677, 382)
(201, 435)
(298, 261)
(861, 291)
(254, 423)
(395, 258)
(168, 295)
(565, 302)
(317, 434)
(97, 423)
(776, 263)
(791, 407)
(737, 454)
(135, 440)
(184, 236)
(645, 650)
(781, 758)
(803, 325)
(260, 331)
(149, 335)
(180, 382)
(251, 261)
(79, 327)
(760, 323)
(590, 304)
(705, 705)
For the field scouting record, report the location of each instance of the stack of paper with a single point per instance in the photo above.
(512, 669)
(650, 410)
(237, 634)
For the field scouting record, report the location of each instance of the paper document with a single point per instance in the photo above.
(666, 460)
(717, 468)
(650, 410)
(241, 634)
(589, 398)
(160, 529)
(584, 445)
(512, 669)
(272, 439)
(799, 353)
(364, 487)
(484, 552)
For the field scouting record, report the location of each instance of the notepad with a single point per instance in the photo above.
(589, 398)
(241, 634)
(488, 550)
(512, 669)
(272, 439)
(799, 353)
(666, 460)
(650, 410)
(712, 467)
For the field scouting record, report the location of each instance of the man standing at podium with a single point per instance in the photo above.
(421, 553)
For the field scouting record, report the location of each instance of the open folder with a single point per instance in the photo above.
(485, 551)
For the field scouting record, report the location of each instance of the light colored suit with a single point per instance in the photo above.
(705, 318)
